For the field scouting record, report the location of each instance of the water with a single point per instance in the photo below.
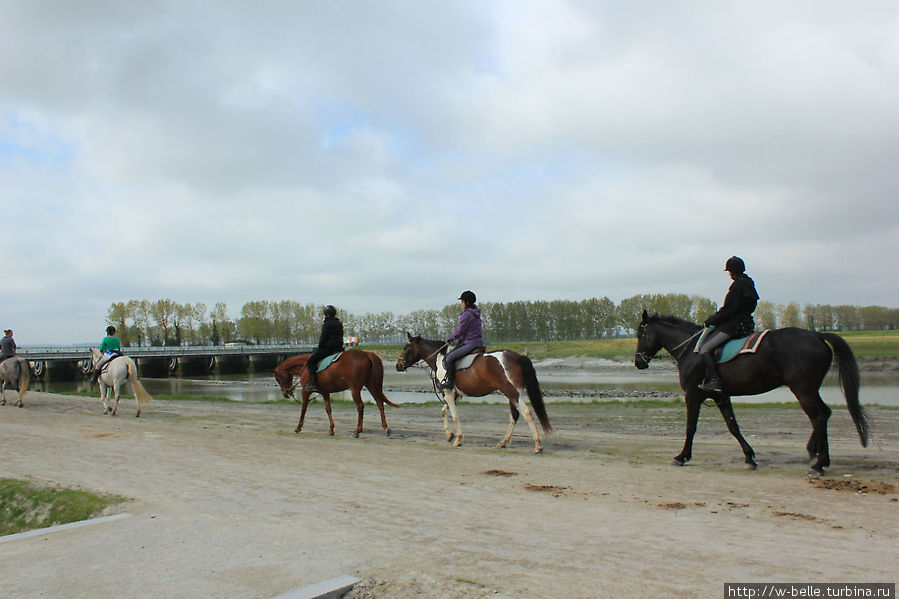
(599, 380)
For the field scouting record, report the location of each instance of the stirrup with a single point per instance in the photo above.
(447, 384)
(712, 385)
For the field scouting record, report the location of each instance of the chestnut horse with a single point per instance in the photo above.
(793, 357)
(503, 370)
(355, 369)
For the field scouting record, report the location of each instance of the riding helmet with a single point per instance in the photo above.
(110, 330)
(735, 264)
(468, 297)
(330, 311)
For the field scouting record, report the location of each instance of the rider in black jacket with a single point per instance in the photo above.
(330, 342)
(734, 319)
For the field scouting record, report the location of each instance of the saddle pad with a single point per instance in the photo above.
(465, 361)
(746, 345)
(327, 360)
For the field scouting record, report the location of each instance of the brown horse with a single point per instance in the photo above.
(504, 371)
(355, 369)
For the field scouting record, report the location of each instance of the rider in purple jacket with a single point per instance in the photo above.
(467, 334)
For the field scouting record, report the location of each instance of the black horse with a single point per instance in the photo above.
(793, 357)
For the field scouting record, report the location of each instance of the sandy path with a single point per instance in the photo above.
(229, 502)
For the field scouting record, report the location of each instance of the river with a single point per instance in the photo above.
(593, 380)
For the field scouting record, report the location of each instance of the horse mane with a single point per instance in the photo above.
(675, 321)
(294, 362)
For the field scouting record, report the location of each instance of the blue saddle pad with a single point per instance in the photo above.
(745, 345)
(733, 347)
(327, 360)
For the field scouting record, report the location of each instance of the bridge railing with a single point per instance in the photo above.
(194, 351)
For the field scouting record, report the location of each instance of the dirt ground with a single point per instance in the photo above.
(227, 501)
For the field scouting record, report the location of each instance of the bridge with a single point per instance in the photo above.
(65, 362)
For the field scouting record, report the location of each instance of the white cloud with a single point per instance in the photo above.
(386, 156)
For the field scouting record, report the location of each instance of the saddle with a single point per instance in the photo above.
(467, 360)
(116, 353)
(327, 361)
(732, 348)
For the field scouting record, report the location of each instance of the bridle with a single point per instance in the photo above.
(641, 331)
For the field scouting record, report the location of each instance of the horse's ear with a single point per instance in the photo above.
(409, 335)
(645, 315)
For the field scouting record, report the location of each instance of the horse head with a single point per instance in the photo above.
(648, 343)
(411, 353)
(285, 381)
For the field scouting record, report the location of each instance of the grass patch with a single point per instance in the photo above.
(24, 506)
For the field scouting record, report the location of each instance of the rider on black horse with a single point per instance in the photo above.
(468, 333)
(734, 319)
(330, 342)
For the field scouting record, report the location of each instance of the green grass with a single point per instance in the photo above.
(24, 506)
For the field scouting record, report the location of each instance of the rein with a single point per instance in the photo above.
(689, 339)
(439, 349)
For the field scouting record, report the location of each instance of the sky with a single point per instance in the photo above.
(385, 156)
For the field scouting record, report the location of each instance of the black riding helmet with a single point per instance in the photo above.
(110, 330)
(329, 310)
(735, 264)
(468, 297)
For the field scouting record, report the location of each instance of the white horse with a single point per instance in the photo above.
(114, 375)
(15, 372)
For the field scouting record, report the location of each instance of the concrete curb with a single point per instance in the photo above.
(333, 588)
(51, 529)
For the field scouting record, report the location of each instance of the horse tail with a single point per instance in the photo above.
(24, 378)
(535, 394)
(140, 394)
(850, 382)
(377, 378)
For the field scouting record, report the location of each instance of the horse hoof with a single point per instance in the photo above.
(750, 466)
(387, 432)
(296, 430)
(330, 433)
(816, 473)
(501, 445)
(677, 462)
(538, 449)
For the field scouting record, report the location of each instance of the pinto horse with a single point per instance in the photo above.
(14, 371)
(504, 371)
(355, 369)
(794, 357)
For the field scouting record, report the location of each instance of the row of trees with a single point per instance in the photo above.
(167, 322)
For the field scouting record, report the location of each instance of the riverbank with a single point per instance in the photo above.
(228, 501)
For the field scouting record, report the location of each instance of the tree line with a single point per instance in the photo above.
(167, 322)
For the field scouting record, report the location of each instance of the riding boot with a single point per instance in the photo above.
(312, 385)
(94, 376)
(448, 381)
(712, 378)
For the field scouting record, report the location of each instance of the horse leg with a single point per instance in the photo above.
(360, 408)
(380, 403)
(305, 404)
(727, 412)
(115, 391)
(104, 392)
(327, 398)
(450, 397)
(818, 413)
(694, 402)
(443, 413)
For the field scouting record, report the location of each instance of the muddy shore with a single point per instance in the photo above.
(225, 500)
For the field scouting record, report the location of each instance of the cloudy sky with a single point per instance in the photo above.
(388, 155)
